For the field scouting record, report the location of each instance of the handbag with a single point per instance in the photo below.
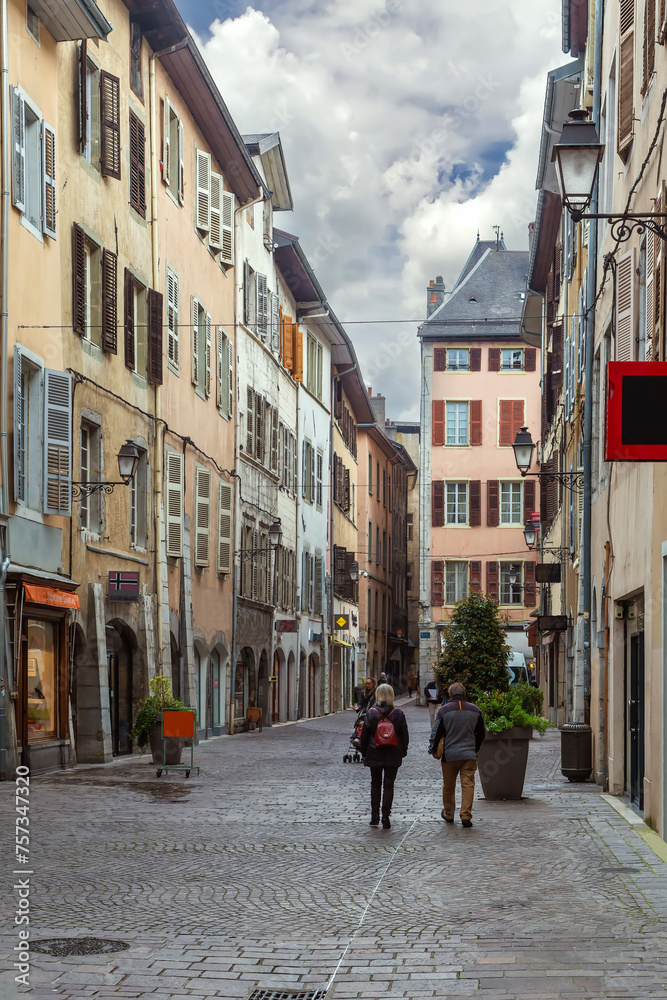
(439, 751)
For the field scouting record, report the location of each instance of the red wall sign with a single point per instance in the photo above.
(636, 411)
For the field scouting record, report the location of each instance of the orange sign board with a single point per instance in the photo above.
(49, 595)
(176, 722)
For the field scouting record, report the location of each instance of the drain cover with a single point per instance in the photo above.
(287, 995)
(77, 946)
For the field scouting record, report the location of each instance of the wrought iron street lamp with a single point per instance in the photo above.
(530, 534)
(354, 572)
(128, 460)
(276, 533)
(524, 447)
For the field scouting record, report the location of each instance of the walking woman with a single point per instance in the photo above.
(384, 744)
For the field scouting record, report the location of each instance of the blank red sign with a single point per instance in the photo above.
(178, 723)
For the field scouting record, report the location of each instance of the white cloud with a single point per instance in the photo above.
(394, 120)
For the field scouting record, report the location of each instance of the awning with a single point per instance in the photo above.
(341, 642)
(531, 319)
(49, 595)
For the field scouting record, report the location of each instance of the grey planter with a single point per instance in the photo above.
(502, 762)
(174, 746)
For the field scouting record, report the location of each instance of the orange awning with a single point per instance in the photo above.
(49, 595)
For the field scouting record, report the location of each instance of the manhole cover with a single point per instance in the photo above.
(77, 946)
(287, 995)
(619, 871)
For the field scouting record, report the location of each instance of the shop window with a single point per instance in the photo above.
(41, 680)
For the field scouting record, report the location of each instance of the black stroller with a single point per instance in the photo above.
(353, 755)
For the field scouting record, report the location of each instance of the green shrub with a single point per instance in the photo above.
(161, 697)
(506, 709)
(475, 650)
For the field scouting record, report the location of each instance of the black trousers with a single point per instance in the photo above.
(376, 790)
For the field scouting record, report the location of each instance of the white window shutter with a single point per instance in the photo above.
(172, 318)
(174, 469)
(19, 444)
(166, 141)
(650, 295)
(232, 381)
(203, 190)
(304, 580)
(57, 443)
(221, 370)
(49, 206)
(181, 164)
(262, 305)
(275, 322)
(227, 227)
(18, 150)
(319, 588)
(202, 515)
(215, 234)
(626, 306)
(250, 422)
(209, 351)
(195, 341)
(311, 582)
(225, 498)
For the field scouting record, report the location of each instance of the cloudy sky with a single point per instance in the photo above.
(407, 126)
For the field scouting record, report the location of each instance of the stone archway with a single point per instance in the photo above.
(125, 684)
(290, 699)
(263, 686)
(314, 686)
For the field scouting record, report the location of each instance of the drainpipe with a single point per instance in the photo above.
(4, 329)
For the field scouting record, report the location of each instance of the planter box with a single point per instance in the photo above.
(502, 762)
(174, 746)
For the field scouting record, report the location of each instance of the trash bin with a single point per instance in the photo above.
(576, 751)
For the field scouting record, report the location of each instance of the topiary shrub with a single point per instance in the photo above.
(475, 650)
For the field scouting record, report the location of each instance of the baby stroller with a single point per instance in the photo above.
(353, 755)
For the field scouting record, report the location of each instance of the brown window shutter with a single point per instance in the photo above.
(475, 421)
(492, 580)
(529, 586)
(83, 95)
(475, 492)
(528, 498)
(437, 583)
(438, 503)
(129, 319)
(530, 356)
(517, 417)
(505, 416)
(78, 280)
(626, 77)
(551, 303)
(494, 359)
(439, 359)
(137, 165)
(648, 62)
(476, 575)
(558, 271)
(339, 568)
(493, 503)
(557, 358)
(110, 125)
(475, 359)
(155, 337)
(350, 585)
(438, 428)
(109, 302)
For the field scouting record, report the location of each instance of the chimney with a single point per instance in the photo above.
(378, 403)
(370, 391)
(435, 295)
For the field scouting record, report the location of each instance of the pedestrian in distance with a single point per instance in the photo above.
(367, 696)
(412, 683)
(433, 698)
(460, 726)
(384, 744)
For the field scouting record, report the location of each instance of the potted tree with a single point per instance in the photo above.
(147, 729)
(475, 653)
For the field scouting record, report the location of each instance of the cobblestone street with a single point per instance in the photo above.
(258, 873)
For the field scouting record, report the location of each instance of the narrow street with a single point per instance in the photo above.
(259, 872)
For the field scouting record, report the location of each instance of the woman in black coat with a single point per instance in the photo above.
(384, 760)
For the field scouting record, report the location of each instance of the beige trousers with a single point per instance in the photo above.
(466, 769)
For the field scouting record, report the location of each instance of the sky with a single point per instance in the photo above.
(407, 127)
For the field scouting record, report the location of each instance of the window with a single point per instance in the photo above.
(135, 58)
(510, 503)
(384, 549)
(173, 152)
(318, 479)
(384, 612)
(377, 479)
(137, 165)
(511, 359)
(378, 550)
(214, 214)
(307, 472)
(225, 377)
(33, 166)
(456, 581)
(384, 488)
(32, 22)
(376, 621)
(42, 680)
(510, 583)
(136, 325)
(90, 460)
(89, 109)
(289, 449)
(314, 366)
(457, 423)
(201, 349)
(139, 504)
(173, 344)
(370, 541)
(456, 503)
(458, 359)
(626, 78)
(409, 526)
(370, 474)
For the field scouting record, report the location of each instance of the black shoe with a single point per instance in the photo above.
(375, 821)
(386, 823)
(466, 822)
(442, 813)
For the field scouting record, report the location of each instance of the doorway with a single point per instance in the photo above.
(119, 666)
(636, 711)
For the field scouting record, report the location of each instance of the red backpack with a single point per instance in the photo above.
(385, 734)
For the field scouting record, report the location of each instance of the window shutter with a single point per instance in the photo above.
(476, 575)
(137, 165)
(311, 582)
(246, 293)
(202, 515)
(528, 498)
(439, 359)
(517, 418)
(109, 302)
(475, 359)
(438, 427)
(231, 380)
(110, 125)
(195, 340)
(207, 357)
(437, 583)
(662, 22)
(298, 353)
(260, 404)
(262, 307)
(530, 356)
(83, 95)
(475, 503)
(78, 280)
(648, 62)
(172, 318)
(18, 150)
(129, 320)
(438, 503)
(181, 164)
(57, 443)
(492, 580)
(49, 208)
(250, 422)
(166, 140)
(275, 322)
(225, 497)
(288, 356)
(626, 76)
(493, 503)
(215, 233)
(650, 295)
(227, 226)
(529, 587)
(505, 411)
(174, 470)
(19, 480)
(494, 359)
(626, 306)
(475, 421)
(154, 337)
(274, 439)
(319, 585)
(221, 371)
(346, 490)
(203, 190)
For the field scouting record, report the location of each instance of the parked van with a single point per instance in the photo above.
(516, 668)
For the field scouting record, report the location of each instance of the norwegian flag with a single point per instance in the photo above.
(124, 586)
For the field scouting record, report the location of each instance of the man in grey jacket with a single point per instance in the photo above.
(462, 725)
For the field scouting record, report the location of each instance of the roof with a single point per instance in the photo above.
(575, 26)
(269, 148)
(68, 20)
(486, 304)
(480, 248)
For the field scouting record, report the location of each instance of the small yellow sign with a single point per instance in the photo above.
(343, 622)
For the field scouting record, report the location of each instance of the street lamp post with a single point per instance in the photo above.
(128, 460)
(524, 446)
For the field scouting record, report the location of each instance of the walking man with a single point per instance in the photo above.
(461, 724)
(433, 699)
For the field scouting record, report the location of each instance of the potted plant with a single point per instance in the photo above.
(475, 653)
(147, 729)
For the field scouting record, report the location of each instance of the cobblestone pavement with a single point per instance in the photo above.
(259, 872)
